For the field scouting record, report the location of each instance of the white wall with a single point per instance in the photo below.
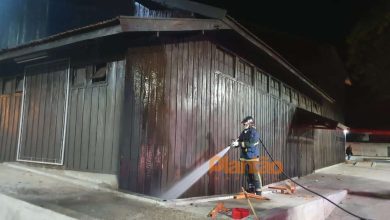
(369, 149)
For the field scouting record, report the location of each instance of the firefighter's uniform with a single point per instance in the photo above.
(248, 142)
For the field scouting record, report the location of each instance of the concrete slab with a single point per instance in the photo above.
(16, 209)
(368, 187)
(81, 179)
(77, 199)
(300, 205)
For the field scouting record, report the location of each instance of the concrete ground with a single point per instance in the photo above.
(368, 188)
(368, 197)
(77, 201)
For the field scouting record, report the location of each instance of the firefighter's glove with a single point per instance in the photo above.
(235, 144)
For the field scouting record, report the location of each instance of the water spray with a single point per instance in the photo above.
(184, 184)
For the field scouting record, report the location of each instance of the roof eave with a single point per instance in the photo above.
(69, 37)
(195, 7)
(112, 27)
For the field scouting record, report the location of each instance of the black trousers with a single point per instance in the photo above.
(252, 175)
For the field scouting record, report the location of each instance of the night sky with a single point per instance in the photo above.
(360, 31)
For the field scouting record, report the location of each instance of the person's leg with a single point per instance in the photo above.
(247, 177)
(257, 178)
(251, 186)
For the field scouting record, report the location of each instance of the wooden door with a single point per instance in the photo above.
(44, 107)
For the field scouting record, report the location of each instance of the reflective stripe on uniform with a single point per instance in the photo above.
(253, 159)
(243, 144)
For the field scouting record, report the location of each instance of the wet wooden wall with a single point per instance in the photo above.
(10, 102)
(92, 136)
(183, 104)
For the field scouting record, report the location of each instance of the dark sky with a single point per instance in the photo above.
(324, 20)
(359, 29)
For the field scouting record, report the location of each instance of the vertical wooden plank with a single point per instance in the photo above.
(41, 116)
(190, 108)
(179, 96)
(5, 106)
(29, 116)
(2, 147)
(72, 128)
(7, 120)
(47, 113)
(136, 83)
(119, 78)
(196, 113)
(150, 128)
(172, 68)
(61, 111)
(93, 129)
(9, 126)
(109, 115)
(205, 73)
(184, 131)
(35, 118)
(143, 110)
(52, 140)
(182, 108)
(86, 125)
(15, 127)
(101, 121)
(159, 121)
(5, 125)
(12, 118)
(165, 115)
(213, 123)
(79, 129)
(25, 122)
(125, 118)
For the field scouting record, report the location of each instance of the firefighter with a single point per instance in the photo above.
(248, 141)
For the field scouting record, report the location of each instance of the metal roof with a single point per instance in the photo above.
(123, 24)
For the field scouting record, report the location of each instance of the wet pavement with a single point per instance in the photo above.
(368, 187)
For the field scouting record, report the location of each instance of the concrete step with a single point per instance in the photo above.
(318, 209)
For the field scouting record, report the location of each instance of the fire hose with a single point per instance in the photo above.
(288, 177)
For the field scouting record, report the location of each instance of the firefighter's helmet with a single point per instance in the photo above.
(248, 119)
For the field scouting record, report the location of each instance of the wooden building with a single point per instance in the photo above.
(151, 96)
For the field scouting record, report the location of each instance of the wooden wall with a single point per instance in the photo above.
(329, 147)
(9, 121)
(44, 106)
(93, 123)
(183, 105)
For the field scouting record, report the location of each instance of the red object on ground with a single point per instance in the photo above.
(239, 213)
